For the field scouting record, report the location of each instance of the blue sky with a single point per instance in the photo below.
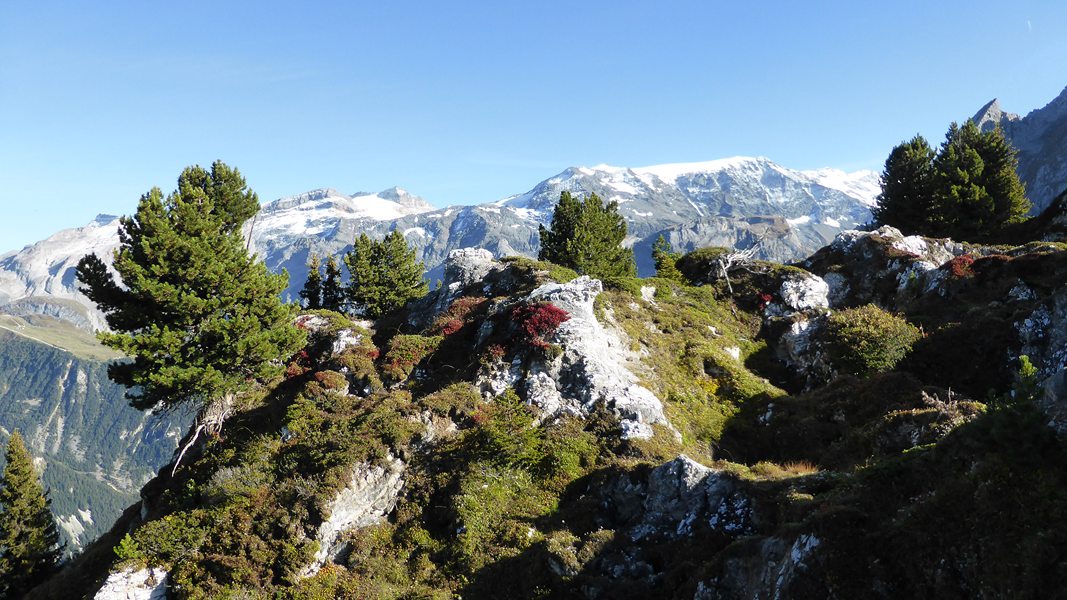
(464, 102)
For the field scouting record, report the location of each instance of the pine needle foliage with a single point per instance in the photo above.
(587, 236)
(384, 275)
(665, 259)
(312, 290)
(29, 540)
(333, 293)
(197, 316)
(968, 190)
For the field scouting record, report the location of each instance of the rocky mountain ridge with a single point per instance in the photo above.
(1041, 138)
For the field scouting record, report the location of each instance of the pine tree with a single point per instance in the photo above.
(29, 540)
(312, 290)
(978, 189)
(333, 293)
(906, 201)
(199, 319)
(587, 236)
(384, 275)
(969, 189)
(665, 259)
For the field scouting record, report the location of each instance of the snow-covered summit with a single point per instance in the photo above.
(318, 210)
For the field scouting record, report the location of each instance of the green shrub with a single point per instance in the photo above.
(331, 380)
(506, 434)
(539, 270)
(699, 266)
(867, 340)
(128, 550)
(406, 351)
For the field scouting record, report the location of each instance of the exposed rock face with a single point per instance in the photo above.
(370, 495)
(882, 266)
(1041, 138)
(143, 584)
(682, 491)
(465, 267)
(591, 371)
(804, 292)
(1054, 400)
(774, 574)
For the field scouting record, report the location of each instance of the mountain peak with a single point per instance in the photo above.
(991, 115)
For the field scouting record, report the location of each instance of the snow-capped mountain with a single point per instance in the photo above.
(730, 202)
(1041, 138)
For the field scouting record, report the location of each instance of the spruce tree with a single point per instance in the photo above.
(312, 290)
(333, 293)
(198, 318)
(384, 275)
(665, 259)
(907, 200)
(587, 236)
(29, 540)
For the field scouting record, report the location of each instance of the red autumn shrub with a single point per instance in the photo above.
(538, 320)
(961, 266)
(298, 365)
(451, 326)
(331, 380)
(457, 315)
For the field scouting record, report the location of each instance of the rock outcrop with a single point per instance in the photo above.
(679, 493)
(590, 372)
(371, 494)
(129, 584)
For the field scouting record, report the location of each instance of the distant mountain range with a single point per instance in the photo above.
(731, 202)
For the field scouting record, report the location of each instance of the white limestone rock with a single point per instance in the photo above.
(592, 369)
(128, 584)
(681, 492)
(369, 497)
(804, 291)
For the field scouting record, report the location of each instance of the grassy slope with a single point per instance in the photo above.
(499, 508)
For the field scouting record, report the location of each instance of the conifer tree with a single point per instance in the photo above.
(587, 236)
(969, 189)
(333, 293)
(29, 540)
(199, 319)
(665, 259)
(312, 290)
(978, 189)
(384, 275)
(907, 198)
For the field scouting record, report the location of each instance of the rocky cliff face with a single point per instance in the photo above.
(1041, 138)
